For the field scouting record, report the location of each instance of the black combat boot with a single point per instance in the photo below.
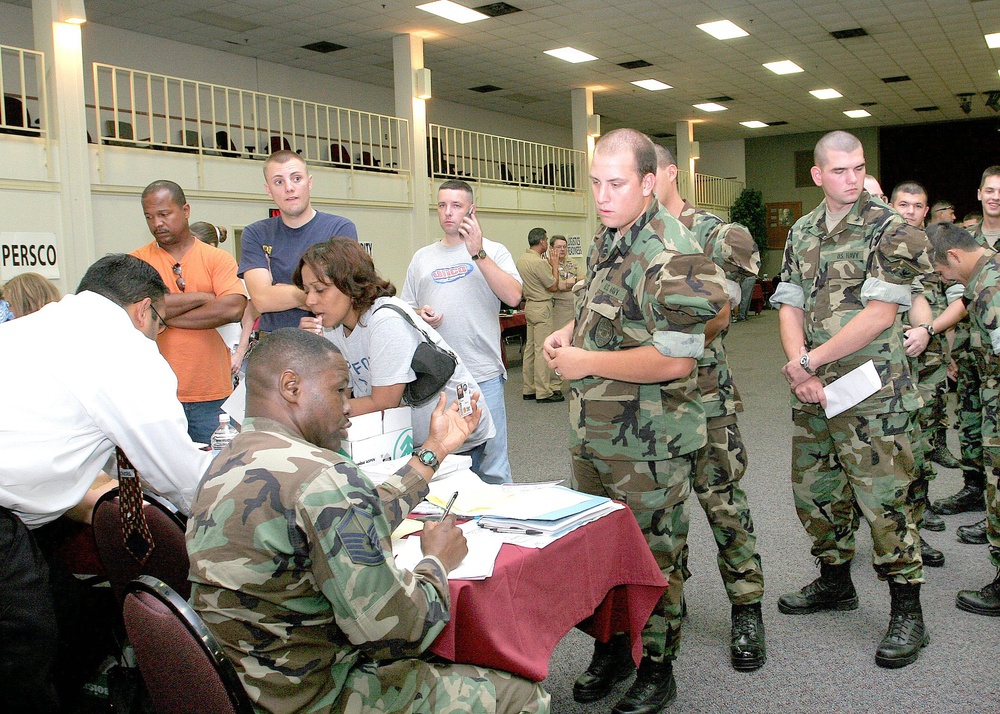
(832, 590)
(906, 633)
(931, 521)
(747, 649)
(940, 454)
(981, 602)
(611, 663)
(932, 557)
(974, 534)
(970, 498)
(654, 688)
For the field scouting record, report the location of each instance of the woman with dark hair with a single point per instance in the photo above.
(357, 310)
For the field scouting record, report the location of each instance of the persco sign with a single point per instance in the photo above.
(28, 253)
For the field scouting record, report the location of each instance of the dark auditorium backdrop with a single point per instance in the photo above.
(948, 158)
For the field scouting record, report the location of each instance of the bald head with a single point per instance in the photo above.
(834, 141)
(630, 141)
(299, 380)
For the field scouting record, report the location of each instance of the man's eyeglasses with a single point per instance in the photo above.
(180, 278)
(163, 323)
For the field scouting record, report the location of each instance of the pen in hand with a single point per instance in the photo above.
(447, 509)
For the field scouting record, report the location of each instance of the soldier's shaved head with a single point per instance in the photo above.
(635, 142)
(834, 141)
(663, 157)
(287, 348)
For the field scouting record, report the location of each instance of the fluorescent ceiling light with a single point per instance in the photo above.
(452, 11)
(783, 67)
(711, 107)
(570, 55)
(857, 113)
(825, 93)
(993, 39)
(753, 124)
(653, 85)
(723, 30)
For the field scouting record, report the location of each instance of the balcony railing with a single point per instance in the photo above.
(22, 83)
(709, 192)
(154, 111)
(457, 153)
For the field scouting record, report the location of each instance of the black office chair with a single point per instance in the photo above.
(183, 666)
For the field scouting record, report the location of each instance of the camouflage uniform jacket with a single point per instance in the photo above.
(292, 568)
(733, 249)
(967, 339)
(650, 286)
(932, 287)
(982, 300)
(872, 254)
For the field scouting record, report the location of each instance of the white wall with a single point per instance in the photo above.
(725, 159)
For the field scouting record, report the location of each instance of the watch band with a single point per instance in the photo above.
(929, 327)
(804, 363)
(480, 255)
(427, 458)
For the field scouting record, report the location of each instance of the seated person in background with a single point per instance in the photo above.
(28, 292)
(66, 405)
(236, 335)
(344, 292)
(323, 621)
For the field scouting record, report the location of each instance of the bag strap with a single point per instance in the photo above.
(406, 316)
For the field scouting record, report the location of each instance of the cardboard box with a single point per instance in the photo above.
(379, 436)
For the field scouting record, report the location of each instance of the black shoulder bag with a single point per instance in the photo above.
(432, 364)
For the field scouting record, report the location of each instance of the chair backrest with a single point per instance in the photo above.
(183, 666)
(168, 560)
(277, 143)
(339, 155)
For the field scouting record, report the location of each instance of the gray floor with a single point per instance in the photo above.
(816, 663)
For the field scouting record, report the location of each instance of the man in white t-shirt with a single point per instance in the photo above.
(456, 285)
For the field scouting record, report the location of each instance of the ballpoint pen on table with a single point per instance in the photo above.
(447, 509)
(512, 529)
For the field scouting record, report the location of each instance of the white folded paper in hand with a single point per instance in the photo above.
(851, 389)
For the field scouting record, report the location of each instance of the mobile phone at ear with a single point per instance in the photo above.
(472, 210)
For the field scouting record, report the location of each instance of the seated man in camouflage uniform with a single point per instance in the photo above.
(847, 270)
(959, 256)
(292, 565)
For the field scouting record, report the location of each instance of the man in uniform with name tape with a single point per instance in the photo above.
(846, 276)
(650, 301)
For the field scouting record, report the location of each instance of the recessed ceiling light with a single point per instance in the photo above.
(783, 67)
(857, 113)
(753, 124)
(825, 93)
(993, 39)
(452, 11)
(723, 30)
(711, 107)
(653, 85)
(570, 55)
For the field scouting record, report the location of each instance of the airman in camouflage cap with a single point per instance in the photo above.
(847, 271)
(958, 256)
(291, 562)
(723, 460)
(635, 408)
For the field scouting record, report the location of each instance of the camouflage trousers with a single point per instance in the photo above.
(970, 416)
(990, 397)
(857, 464)
(657, 492)
(419, 687)
(932, 418)
(720, 465)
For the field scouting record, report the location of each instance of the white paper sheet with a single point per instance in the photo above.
(851, 389)
(484, 547)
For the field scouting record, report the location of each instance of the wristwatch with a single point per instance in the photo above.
(427, 458)
(480, 255)
(929, 328)
(804, 363)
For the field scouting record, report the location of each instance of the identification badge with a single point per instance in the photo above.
(464, 399)
(604, 332)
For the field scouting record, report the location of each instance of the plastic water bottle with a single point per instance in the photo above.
(223, 435)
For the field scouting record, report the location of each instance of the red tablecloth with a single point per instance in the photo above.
(601, 577)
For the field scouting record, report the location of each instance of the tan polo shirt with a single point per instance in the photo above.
(536, 275)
